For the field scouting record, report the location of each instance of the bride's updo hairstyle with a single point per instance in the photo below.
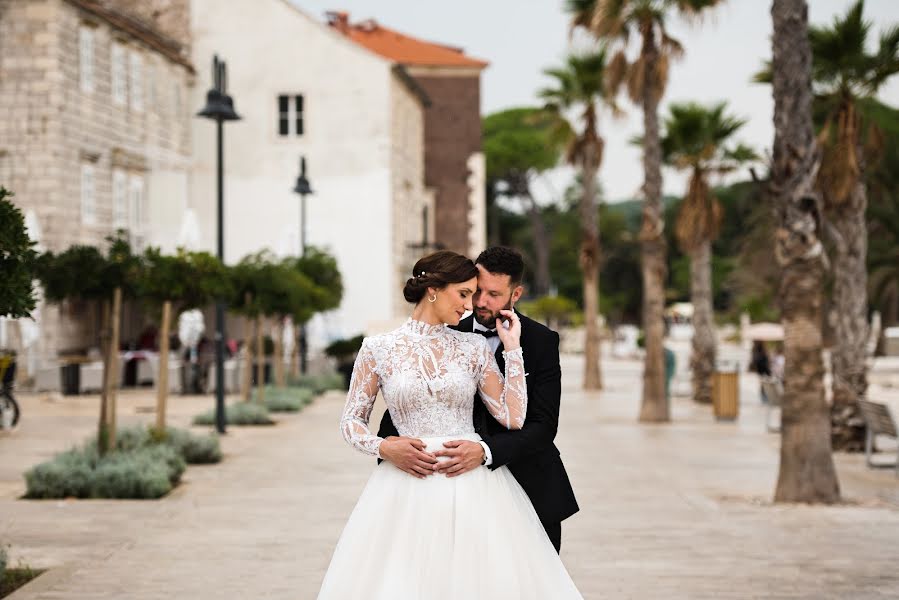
(437, 270)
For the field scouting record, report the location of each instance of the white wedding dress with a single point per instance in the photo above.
(461, 538)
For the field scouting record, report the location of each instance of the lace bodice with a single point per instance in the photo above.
(428, 375)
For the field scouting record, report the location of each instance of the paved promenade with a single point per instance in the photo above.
(667, 511)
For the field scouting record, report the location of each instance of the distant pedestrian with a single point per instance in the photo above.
(761, 364)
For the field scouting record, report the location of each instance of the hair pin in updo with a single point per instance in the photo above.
(422, 274)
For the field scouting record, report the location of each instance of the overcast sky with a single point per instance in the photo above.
(521, 37)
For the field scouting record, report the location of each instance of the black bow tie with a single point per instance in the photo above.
(487, 334)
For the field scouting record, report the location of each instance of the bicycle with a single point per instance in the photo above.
(9, 408)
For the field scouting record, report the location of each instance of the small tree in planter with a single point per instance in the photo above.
(83, 273)
(17, 261)
(321, 269)
(344, 352)
(171, 284)
(248, 278)
(285, 292)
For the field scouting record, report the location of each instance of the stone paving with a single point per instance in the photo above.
(667, 511)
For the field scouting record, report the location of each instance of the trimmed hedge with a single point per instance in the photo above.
(291, 399)
(318, 383)
(241, 413)
(144, 465)
(147, 472)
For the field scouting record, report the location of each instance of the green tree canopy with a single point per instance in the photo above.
(17, 261)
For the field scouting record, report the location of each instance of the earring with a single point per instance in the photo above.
(433, 298)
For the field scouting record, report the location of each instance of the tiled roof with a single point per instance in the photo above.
(399, 47)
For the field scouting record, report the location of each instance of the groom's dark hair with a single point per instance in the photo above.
(501, 260)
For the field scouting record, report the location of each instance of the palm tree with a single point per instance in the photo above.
(694, 140)
(844, 73)
(807, 472)
(883, 259)
(578, 86)
(646, 78)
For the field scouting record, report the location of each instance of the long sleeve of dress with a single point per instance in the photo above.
(359, 402)
(506, 400)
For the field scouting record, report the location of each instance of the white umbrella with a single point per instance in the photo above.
(765, 332)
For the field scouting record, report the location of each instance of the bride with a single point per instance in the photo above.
(421, 535)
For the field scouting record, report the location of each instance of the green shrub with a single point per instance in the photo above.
(143, 465)
(291, 399)
(195, 449)
(241, 413)
(68, 474)
(146, 472)
(318, 383)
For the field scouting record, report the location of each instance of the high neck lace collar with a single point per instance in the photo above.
(423, 329)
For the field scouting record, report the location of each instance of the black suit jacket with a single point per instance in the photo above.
(529, 452)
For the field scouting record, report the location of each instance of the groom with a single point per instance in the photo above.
(529, 452)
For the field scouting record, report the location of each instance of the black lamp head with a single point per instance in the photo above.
(302, 187)
(219, 105)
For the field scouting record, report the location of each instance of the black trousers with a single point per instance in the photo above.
(554, 531)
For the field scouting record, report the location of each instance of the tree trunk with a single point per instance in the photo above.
(654, 407)
(704, 343)
(850, 302)
(278, 359)
(806, 472)
(246, 380)
(541, 248)
(589, 262)
(103, 425)
(260, 363)
(111, 375)
(162, 381)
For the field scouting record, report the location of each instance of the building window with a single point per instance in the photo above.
(119, 73)
(88, 196)
(290, 115)
(119, 200)
(86, 58)
(137, 83)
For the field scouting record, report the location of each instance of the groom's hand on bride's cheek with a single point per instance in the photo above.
(408, 454)
(464, 456)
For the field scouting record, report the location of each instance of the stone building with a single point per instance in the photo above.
(94, 131)
(454, 162)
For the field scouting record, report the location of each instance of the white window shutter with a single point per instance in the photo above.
(88, 196)
(136, 81)
(118, 67)
(119, 200)
(86, 59)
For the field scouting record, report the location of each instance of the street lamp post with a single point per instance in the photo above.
(303, 189)
(219, 108)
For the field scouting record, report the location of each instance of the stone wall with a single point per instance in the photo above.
(410, 198)
(51, 127)
(452, 136)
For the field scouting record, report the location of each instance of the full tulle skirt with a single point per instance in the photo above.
(467, 537)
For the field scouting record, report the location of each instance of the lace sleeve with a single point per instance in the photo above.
(359, 402)
(506, 400)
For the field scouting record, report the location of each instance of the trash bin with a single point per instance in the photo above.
(70, 376)
(891, 341)
(726, 391)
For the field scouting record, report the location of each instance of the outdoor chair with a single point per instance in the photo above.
(774, 390)
(878, 421)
